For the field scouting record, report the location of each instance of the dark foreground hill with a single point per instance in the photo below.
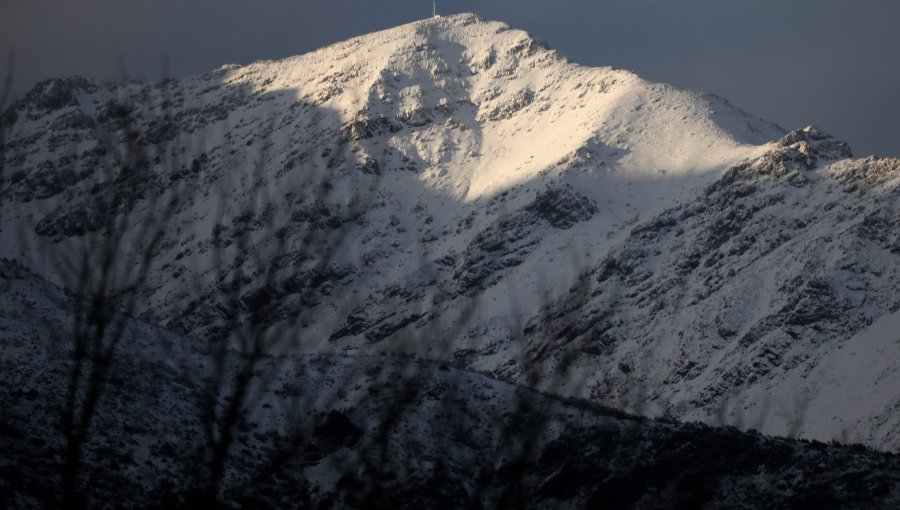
(380, 432)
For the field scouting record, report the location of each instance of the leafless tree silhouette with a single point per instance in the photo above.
(5, 93)
(106, 276)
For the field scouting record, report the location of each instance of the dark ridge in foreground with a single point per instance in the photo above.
(377, 432)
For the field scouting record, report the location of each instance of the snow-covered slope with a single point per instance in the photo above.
(455, 189)
(374, 432)
(766, 302)
(440, 117)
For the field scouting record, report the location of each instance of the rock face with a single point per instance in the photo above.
(378, 432)
(456, 190)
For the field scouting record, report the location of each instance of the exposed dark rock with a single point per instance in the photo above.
(562, 207)
(364, 128)
(334, 432)
(91, 213)
(871, 171)
(54, 94)
(389, 325)
(9, 117)
(510, 107)
(502, 245)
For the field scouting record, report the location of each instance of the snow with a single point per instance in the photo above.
(854, 391)
(435, 140)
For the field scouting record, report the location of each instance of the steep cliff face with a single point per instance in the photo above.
(455, 189)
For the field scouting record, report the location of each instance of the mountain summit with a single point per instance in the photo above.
(495, 107)
(456, 190)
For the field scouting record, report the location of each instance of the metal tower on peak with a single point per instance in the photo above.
(434, 9)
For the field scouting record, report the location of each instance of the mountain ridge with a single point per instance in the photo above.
(454, 438)
(456, 176)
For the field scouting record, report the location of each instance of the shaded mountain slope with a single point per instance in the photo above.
(376, 431)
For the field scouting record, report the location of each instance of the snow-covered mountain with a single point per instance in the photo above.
(375, 432)
(455, 189)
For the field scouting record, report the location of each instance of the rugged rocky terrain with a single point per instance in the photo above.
(455, 190)
(381, 432)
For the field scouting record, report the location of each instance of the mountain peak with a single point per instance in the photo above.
(460, 18)
(464, 93)
(461, 159)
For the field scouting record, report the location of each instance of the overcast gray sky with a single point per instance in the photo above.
(833, 63)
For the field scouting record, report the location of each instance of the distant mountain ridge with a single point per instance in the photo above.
(658, 250)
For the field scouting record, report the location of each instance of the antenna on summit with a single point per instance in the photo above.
(434, 9)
